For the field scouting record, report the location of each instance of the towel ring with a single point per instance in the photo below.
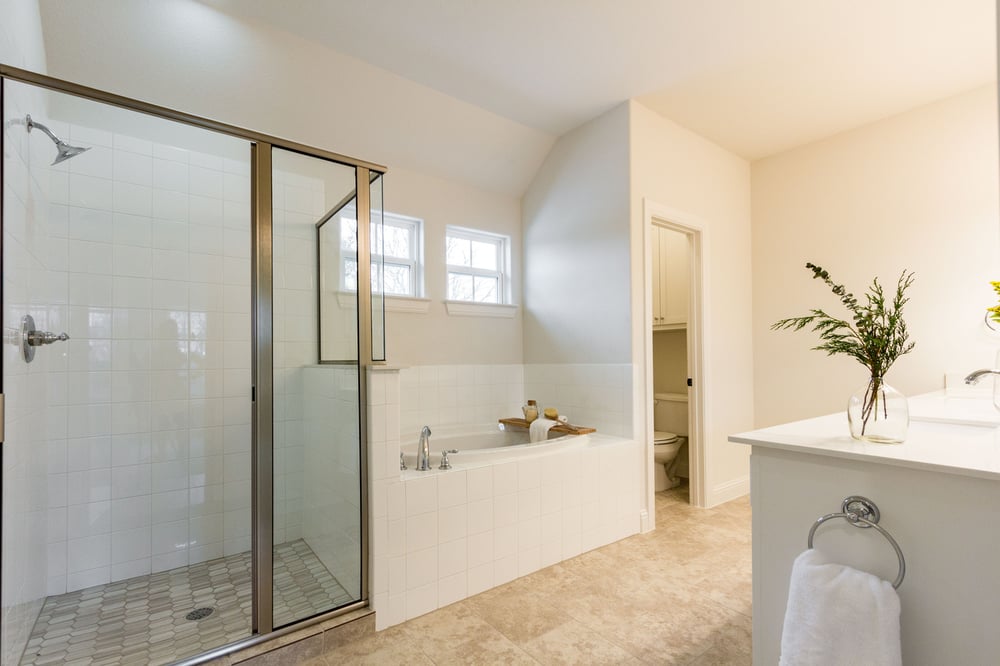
(862, 512)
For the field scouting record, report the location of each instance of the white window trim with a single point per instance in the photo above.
(411, 304)
(475, 309)
(503, 261)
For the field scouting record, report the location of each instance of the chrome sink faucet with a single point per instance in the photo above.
(974, 377)
(424, 450)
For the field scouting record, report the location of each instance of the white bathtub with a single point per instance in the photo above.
(478, 445)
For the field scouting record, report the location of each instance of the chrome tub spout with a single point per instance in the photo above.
(424, 450)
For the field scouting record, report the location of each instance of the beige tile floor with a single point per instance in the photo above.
(678, 595)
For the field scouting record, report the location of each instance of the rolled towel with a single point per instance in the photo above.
(539, 429)
(839, 615)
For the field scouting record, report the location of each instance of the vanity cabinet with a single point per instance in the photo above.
(671, 279)
(937, 493)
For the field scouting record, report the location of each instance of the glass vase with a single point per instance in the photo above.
(878, 413)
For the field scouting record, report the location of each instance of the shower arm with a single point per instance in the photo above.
(31, 124)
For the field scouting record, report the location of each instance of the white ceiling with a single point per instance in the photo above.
(757, 77)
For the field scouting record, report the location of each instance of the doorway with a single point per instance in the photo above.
(674, 352)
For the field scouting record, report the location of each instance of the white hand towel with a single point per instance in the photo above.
(839, 615)
(538, 431)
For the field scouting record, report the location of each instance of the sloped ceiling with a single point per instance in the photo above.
(478, 91)
(756, 77)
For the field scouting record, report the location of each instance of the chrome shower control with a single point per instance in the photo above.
(31, 338)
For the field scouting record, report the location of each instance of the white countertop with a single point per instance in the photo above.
(968, 450)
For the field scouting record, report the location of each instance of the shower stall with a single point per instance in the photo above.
(183, 379)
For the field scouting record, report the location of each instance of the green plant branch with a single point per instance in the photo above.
(876, 335)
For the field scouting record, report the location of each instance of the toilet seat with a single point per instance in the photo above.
(663, 437)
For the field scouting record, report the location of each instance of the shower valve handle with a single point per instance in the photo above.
(39, 338)
(32, 337)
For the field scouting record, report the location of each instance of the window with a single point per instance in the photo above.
(476, 263)
(399, 240)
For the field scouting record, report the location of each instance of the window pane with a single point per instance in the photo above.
(349, 234)
(397, 280)
(485, 289)
(459, 287)
(459, 252)
(351, 275)
(484, 255)
(397, 242)
(376, 277)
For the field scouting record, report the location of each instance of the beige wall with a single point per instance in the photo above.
(676, 168)
(436, 338)
(190, 55)
(21, 42)
(670, 362)
(576, 247)
(917, 192)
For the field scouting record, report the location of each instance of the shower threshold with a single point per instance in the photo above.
(143, 620)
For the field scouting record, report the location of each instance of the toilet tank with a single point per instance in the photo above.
(670, 412)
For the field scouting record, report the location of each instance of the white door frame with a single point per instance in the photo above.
(654, 214)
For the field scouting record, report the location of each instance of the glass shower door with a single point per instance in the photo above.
(317, 541)
(126, 475)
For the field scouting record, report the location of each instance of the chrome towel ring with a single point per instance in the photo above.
(862, 512)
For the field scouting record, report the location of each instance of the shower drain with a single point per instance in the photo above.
(199, 613)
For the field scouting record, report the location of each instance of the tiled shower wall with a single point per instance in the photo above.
(25, 287)
(298, 203)
(149, 418)
(331, 482)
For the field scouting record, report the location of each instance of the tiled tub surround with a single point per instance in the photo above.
(149, 424)
(597, 395)
(441, 536)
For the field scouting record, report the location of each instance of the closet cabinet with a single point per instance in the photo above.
(671, 279)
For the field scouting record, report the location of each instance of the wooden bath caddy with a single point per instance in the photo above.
(566, 429)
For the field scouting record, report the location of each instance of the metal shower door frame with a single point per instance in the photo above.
(261, 335)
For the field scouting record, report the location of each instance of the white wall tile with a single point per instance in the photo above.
(421, 531)
(421, 496)
(89, 553)
(452, 488)
(452, 522)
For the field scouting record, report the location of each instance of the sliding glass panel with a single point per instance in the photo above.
(126, 476)
(317, 438)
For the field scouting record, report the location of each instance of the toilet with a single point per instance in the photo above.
(670, 415)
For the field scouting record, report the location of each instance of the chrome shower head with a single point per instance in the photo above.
(66, 151)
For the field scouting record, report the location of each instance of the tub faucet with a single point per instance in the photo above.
(424, 450)
(974, 377)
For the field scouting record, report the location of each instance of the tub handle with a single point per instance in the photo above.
(445, 464)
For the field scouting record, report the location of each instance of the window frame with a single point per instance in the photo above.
(415, 226)
(502, 244)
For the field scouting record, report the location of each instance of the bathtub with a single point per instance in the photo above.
(480, 445)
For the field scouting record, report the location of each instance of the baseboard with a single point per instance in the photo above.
(727, 491)
(645, 524)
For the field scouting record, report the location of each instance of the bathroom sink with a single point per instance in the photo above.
(939, 407)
